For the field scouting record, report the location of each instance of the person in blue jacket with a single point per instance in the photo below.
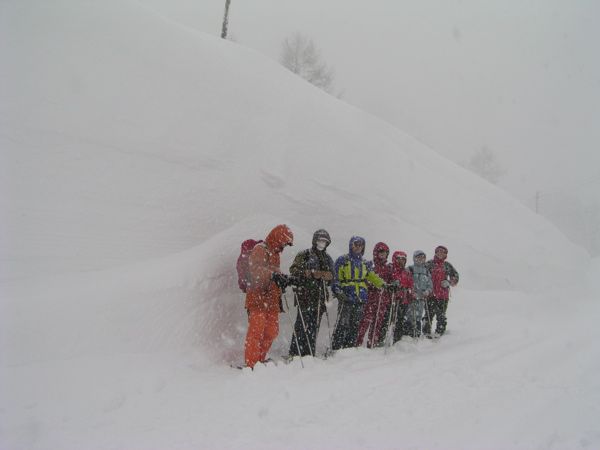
(351, 273)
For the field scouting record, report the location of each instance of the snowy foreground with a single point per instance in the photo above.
(515, 371)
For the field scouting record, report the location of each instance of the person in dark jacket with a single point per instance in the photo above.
(443, 275)
(351, 273)
(313, 272)
(378, 300)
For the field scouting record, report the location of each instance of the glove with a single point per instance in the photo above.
(293, 281)
(453, 281)
(323, 275)
(394, 286)
(327, 276)
(280, 280)
(445, 284)
(341, 296)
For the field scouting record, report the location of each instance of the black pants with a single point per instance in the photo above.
(346, 330)
(307, 339)
(400, 324)
(436, 308)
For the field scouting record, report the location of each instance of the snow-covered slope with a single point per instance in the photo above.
(126, 136)
(136, 155)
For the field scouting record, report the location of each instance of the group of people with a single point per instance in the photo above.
(376, 298)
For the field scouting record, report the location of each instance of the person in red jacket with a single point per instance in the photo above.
(404, 296)
(443, 275)
(263, 293)
(378, 300)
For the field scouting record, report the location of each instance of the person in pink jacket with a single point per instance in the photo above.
(404, 296)
(378, 300)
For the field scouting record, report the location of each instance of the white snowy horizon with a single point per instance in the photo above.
(137, 154)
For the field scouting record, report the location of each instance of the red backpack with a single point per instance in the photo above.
(243, 270)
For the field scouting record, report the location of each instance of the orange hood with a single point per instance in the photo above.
(279, 237)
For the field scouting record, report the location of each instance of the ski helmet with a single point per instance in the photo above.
(418, 253)
(321, 234)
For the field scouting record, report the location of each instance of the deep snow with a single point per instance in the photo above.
(136, 156)
(515, 371)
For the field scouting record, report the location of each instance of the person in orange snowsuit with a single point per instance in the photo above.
(264, 292)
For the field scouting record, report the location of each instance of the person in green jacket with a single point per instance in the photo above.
(313, 271)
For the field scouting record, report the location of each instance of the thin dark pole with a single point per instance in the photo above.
(225, 20)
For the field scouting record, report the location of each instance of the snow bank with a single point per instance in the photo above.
(172, 304)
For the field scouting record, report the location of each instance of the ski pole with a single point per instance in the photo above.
(318, 324)
(414, 327)
(420, 318)
(395, 324)
(304, 326)
(327, 313)
(293, 329)
(325, 298)
(391, 329)
(373, 333)
(429, 324)
(397, 318)
(337, 322)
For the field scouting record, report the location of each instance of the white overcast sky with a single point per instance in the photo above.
(519, 77)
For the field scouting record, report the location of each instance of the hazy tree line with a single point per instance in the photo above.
(302, 57)
(485, 164)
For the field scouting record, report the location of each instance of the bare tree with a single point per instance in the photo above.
(485, 164)
(300, 55)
